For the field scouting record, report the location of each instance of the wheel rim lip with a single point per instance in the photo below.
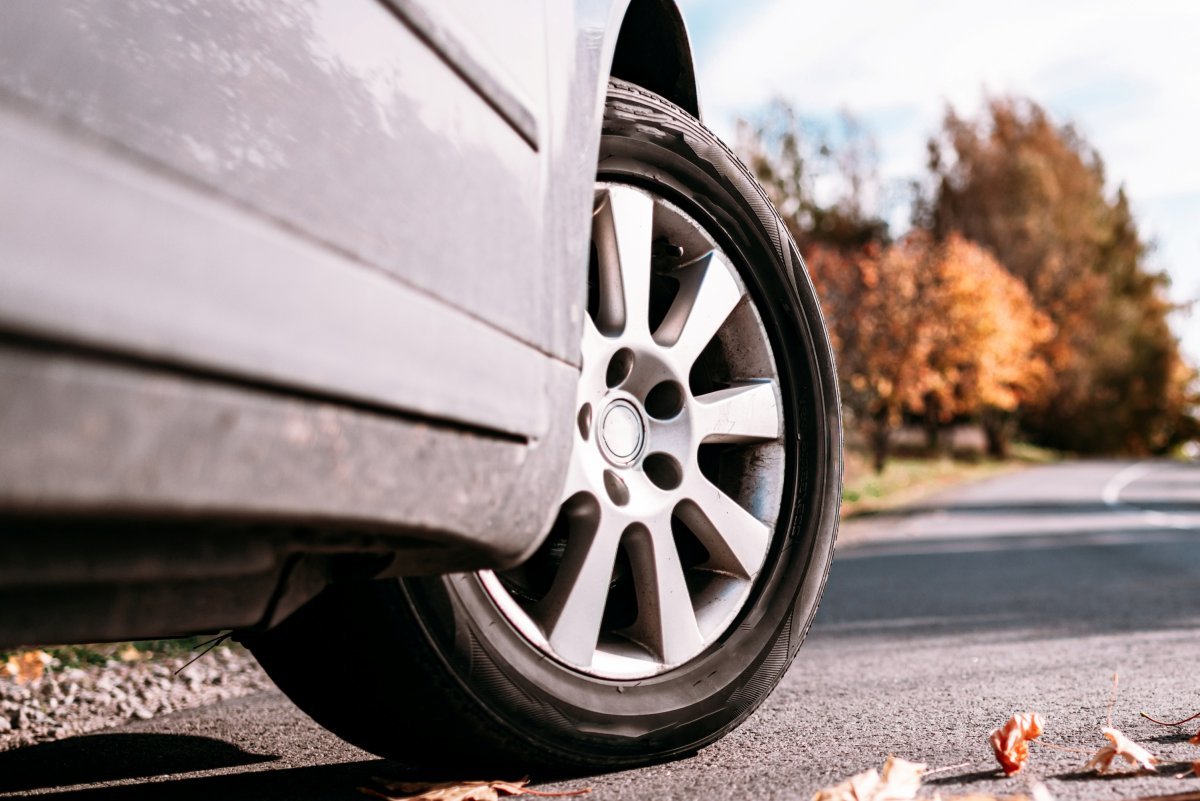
(614, 660)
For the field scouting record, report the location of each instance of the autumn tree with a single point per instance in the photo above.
(937, 329)
(876, 305)
(1033, 193)
(985, 335)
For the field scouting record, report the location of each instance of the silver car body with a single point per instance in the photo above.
(315, 267)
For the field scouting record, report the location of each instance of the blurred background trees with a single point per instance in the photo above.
(1019, 298)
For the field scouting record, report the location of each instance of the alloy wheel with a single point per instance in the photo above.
(676, 475)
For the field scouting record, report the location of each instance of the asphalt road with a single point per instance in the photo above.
(1024, 592)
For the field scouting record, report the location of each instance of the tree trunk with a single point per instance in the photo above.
(933, 425)
(881, 442)
(997, 429)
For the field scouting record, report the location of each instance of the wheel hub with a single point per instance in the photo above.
(622, 433)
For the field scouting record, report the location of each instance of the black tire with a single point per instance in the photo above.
(428, 671)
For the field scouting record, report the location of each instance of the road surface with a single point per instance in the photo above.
(1023, 592)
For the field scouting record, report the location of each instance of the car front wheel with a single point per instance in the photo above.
(698, 514)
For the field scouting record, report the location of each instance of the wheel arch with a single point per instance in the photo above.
(653, 51)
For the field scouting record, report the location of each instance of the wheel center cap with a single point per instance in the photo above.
(621, 432)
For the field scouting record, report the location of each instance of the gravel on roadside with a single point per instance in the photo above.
(76, 700)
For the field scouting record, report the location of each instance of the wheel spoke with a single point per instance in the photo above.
(736, 540)
(666, 618)
(708, 293)
(622, 231)
(741, 414)
(571, 612)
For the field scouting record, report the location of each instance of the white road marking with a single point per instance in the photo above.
(1112, 490)
(1134, 472)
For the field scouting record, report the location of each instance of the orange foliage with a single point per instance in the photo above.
(922, 324)
(986, 336)
(1034, 193)
(874, 305)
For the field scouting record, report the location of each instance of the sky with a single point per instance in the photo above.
(1126, 75)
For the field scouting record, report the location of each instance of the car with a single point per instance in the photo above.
(437, 350)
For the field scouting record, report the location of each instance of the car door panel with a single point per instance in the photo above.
(336, 124)
(162, 272)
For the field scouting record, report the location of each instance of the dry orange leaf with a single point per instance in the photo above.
(27, 666)
(1038, 792)
(899, 781)
(1010, 742)
(1120, 746)
(461, 791)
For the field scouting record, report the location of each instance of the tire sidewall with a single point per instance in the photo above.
(567, 715)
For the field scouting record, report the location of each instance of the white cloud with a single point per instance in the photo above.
(1128, 76)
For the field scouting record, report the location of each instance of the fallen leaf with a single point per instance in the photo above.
(27, 666)
(449, 791)
(130, 654)
(899, 781)
(461, 791)
(468, 791)
(1037, 790)
(1040, 792)
(1120, 746)
(1010, 742)
(980, 797)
